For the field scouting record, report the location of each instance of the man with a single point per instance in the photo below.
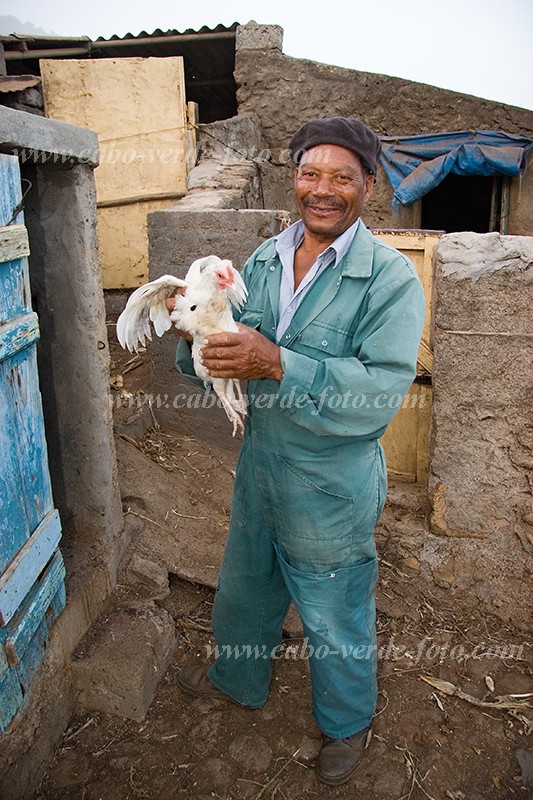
(328, 342)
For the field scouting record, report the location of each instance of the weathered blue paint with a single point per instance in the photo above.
(11, 696)
(32, 591)
(21, 630)
(24, 569)
(17, 334)
(25, 492)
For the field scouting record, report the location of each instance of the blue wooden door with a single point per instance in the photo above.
(32, 573)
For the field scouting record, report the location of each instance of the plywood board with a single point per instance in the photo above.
(137, 108)
(125, 256)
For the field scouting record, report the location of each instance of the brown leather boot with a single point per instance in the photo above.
(339, 758)
(193, 680)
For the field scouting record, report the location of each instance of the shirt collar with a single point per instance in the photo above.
(291, 238)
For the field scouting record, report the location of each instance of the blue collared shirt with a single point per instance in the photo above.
(287, 242)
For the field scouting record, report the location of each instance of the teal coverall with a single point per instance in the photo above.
(311, 479)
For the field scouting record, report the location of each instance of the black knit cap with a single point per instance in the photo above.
(345, 131)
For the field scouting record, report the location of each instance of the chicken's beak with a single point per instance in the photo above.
(225, 277)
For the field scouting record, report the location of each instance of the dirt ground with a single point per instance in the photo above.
(467, 739)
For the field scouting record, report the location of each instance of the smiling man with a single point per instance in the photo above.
(329, 332)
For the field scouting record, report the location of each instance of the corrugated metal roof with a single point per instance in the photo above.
(172, 32)
(208, 54)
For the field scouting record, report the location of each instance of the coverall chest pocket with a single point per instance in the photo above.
(324, 341)
(315, 524)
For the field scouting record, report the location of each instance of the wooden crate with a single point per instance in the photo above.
(406, 441)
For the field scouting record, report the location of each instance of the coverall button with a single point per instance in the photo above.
(272, 268)
(287, 336)
(325, 343)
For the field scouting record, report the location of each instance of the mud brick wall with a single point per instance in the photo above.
(283, 92)
(481, 455)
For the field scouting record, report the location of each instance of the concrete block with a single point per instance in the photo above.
(177, 238)
(259, 37)
(120, 662)
(482, 433)
(40, 140)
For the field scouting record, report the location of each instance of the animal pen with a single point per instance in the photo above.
(460, 445)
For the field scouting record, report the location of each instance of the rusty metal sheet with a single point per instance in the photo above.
(18, 83)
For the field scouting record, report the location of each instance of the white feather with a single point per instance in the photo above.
(148, 302)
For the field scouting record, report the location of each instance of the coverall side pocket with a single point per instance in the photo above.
(315, 526)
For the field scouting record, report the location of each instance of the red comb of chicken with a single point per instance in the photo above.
(225, 277)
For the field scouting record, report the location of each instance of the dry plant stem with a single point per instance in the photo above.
(274, 777)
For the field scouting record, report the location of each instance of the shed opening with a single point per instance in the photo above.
(466, 203)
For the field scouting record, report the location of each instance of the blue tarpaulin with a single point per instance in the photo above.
(416, 164)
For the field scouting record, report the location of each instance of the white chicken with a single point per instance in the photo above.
(211, 286)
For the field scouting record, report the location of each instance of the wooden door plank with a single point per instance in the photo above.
(23, 448)
(13, 243)
(24, 626)
(3, 661)
(15, 527)
(406, 440)
(18, 334)
(29, 660)
(15, 293)
(11, 696)
(21, 574)
(10, 190)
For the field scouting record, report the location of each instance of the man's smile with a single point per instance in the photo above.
(323, 211)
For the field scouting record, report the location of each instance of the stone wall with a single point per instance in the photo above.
(283, 92)
(481, 455)
(225, 174)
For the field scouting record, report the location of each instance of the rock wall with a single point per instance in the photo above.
(481, 454)
(226, 173)
(283, 92)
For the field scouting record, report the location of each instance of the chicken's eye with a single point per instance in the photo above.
(193, 308)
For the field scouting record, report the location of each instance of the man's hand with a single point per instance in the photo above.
(247, 355)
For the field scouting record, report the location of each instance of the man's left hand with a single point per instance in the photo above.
(247, 355)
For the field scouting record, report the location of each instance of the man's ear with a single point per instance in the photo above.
(369, 185)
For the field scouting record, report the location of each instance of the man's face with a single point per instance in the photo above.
(331, 187)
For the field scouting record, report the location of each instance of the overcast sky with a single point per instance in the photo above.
(481, 47)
